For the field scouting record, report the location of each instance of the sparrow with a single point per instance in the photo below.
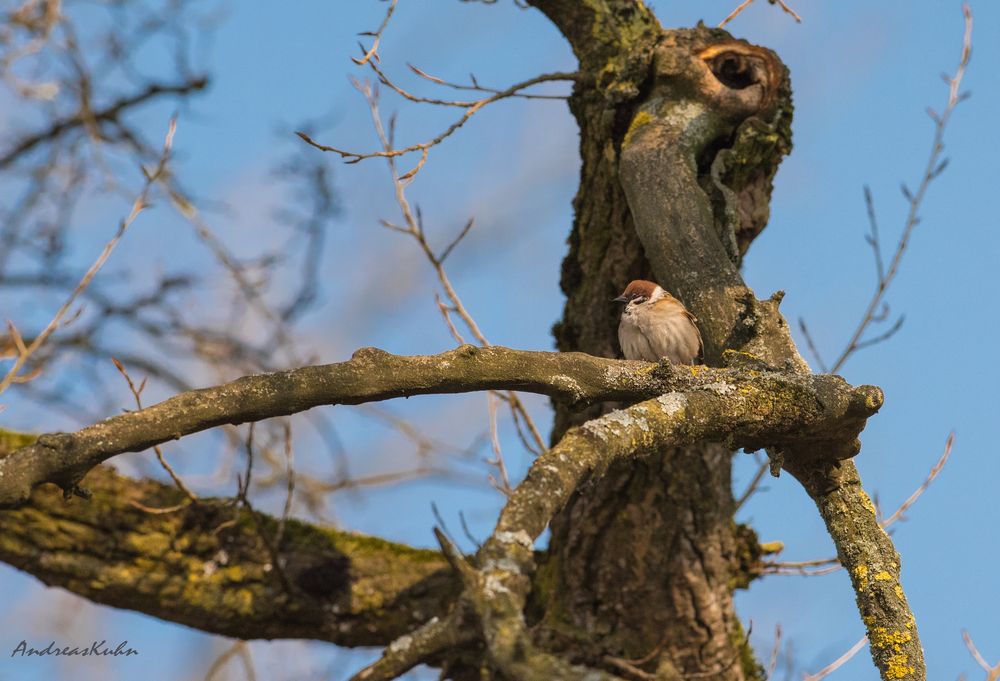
(655, 325)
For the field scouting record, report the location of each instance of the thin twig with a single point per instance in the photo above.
(141, 203)
(912, 499)
(813, 350)
(470, 111)
(238, 648)
(746, 3)
(137, 394)
(935, 166)
(290, 472)
(772, 665)
(454, 242)
(753, 486)
(372, 52)
(783, 569)
(111, 113)
(838, 663)
(825, 566)
(503, 484)
(468, 533)
(474, 87)
(992, 671)
(413, 227)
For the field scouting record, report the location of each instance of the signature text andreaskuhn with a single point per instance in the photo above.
(95, 648)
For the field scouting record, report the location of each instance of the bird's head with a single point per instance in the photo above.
(639, 291)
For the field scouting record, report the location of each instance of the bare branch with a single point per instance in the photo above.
(414, 228)
(140, 204)
(813, 350)
(752, 486)
(992, 671)
(137, 394)
(772, 665)
(746, 3)
(900, 512)
(372, 52)
(373, 375)
(838, 663)
(470, 111)
(497, 587)
(111, 113)
(933, 169)
(411, 649)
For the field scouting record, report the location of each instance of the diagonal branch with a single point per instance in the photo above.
(743, 413)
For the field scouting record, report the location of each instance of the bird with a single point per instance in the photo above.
(655, 325)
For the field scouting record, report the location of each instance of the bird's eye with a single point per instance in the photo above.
(639, 299)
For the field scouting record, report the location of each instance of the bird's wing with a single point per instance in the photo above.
(673, 331)
(694, 322)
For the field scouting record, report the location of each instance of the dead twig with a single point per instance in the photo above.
(746, 3)
(912, 499)
(992, 671)
(137, 394)
(878, 309)
(141, 203)
(423, 147)
(372, 52)
(838, 663)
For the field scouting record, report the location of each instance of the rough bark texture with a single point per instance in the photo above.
(868, 555)
(207, 566)
(659, 532)
(371, 375)
(748, 409)
(678, 158)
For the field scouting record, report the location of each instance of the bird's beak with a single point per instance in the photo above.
(620, 299)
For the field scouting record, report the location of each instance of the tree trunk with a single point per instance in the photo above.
(642, 565)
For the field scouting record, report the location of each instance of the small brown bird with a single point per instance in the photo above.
(655, 325)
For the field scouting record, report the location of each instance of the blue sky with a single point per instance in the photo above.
(862, 73)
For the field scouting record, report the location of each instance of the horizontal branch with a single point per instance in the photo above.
(373, 375)
(206, 565)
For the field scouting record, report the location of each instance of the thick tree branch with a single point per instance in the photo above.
(741, 409)
(370, 375)
(610, 38)
(207, 567)
(869, 556)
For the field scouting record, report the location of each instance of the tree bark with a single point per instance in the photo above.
(681, 135)
(207, 566)
(642, 565)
